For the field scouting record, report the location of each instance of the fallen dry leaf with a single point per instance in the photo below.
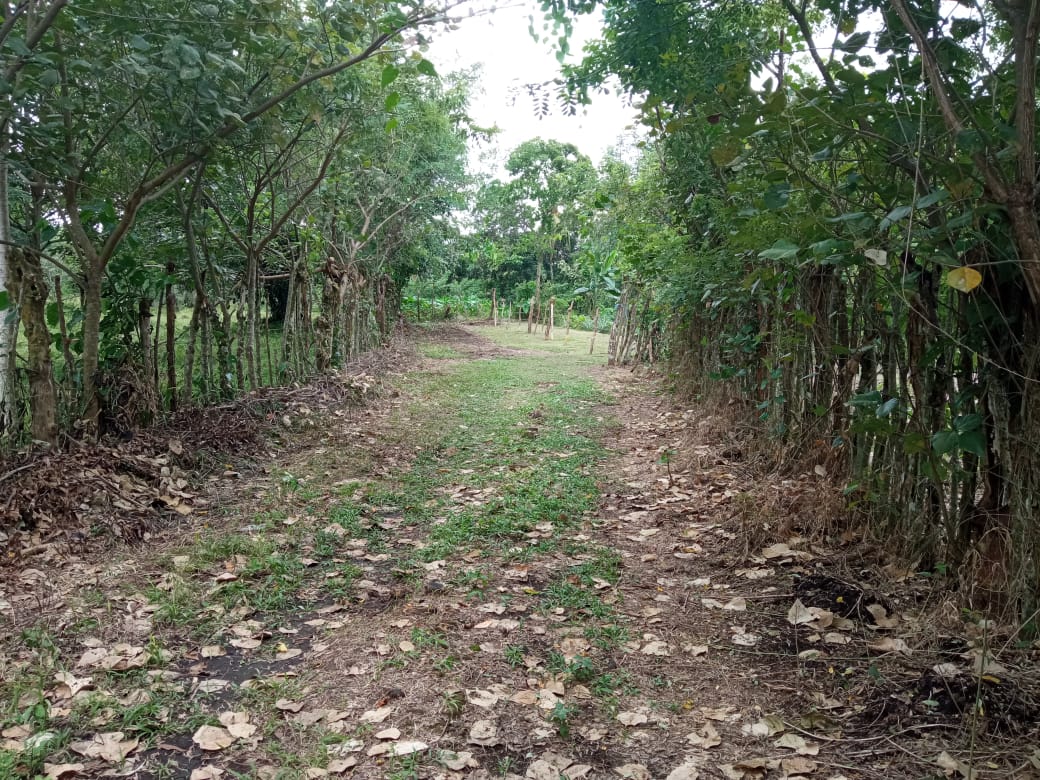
(632, 718)
(484, 732)
(457, 761)
(340, 765)
(945, 761)
(59, 771)
(110, 746)
(656, 647)
(207, 773)
(684, 772)
(481, 698)
(377, 715)
(797, 744)
(212, 738)
(633, 772)
(704, 737)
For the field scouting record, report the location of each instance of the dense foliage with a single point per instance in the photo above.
(836, 219)
(276, 168)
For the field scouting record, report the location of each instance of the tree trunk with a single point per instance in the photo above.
(595, 330)
(90, 403)
(8, 324)
(248, 333)
(27, 282)
(171, 338)
(494, 307)
(66, 343)
(532, 314)
(551, 315)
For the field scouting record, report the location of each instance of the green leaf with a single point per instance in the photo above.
(938, 196)
(426, 68)
(52, 313)
(391, 125)
(855, 42)
(895, 215)
(5, 300)
(968, 423)
(945, 442)
(781, 250)
(887, 408)
(915, 443)
(390, 72)
(973, 442)
(777, 196)
(871, 399)
(392, 100)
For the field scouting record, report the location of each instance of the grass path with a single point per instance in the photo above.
(492, 572)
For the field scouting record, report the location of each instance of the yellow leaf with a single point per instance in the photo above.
(964, 279)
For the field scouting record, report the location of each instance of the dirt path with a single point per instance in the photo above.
(517, 563)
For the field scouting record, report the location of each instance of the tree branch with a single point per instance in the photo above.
(954, 123)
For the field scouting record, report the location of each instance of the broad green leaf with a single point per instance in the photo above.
(895, 215)
(973, 442)
(945, 442)
(937, 196)
(887, 408)
(52, 313)
(777, 196)
(871, 398)
(426, 68)
(390, 72)
(967, 423)
(5, 300)
(964, 279)
(392, 100)
(781, 250)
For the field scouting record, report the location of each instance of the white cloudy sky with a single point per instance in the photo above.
(500, 43)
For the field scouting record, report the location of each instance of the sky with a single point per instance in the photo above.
(501, 44)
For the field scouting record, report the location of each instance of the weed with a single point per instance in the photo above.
(515, 655)
(581, 669)
(560, 716)
(446, 664)
(607, 637)
(453, 703)
(564, 594)
(423, 639)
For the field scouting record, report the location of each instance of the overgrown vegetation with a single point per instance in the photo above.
(199, 200)
(834, 222)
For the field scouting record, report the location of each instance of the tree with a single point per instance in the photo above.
(185, 85)
(858, 233)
